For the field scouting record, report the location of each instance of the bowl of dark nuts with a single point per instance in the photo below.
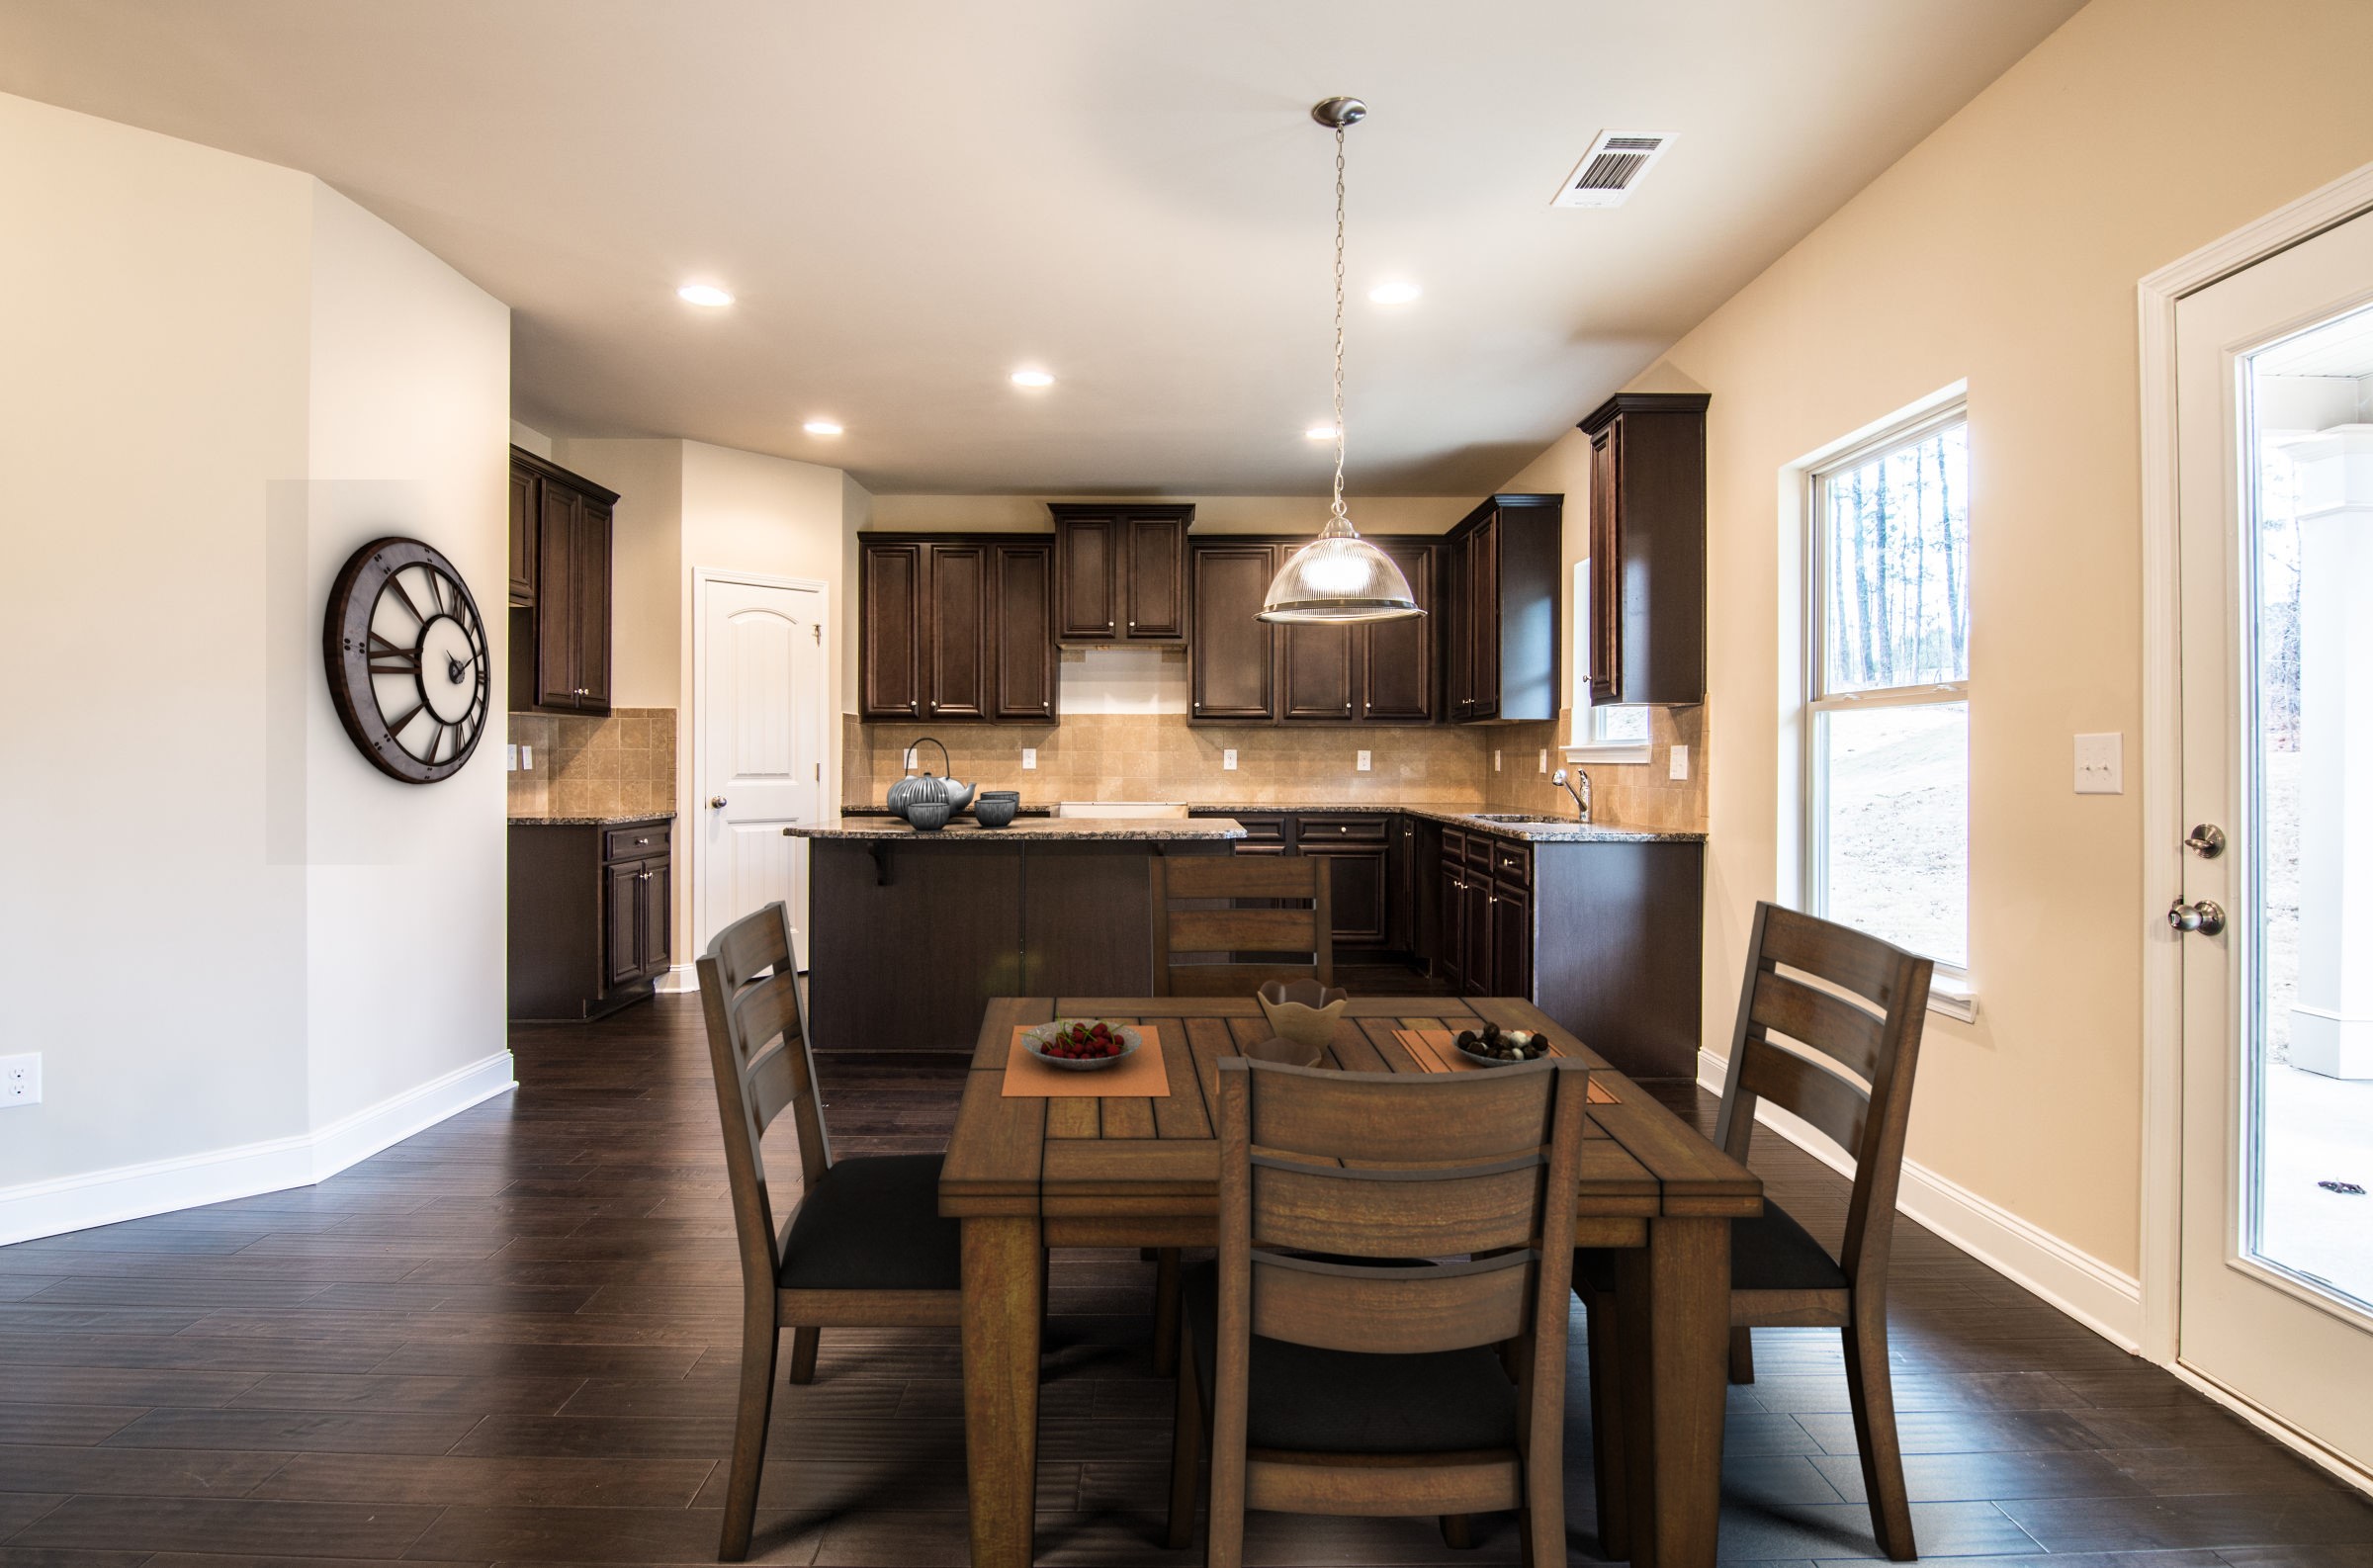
(1493, 1046)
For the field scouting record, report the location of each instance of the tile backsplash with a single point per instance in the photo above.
(611, 766)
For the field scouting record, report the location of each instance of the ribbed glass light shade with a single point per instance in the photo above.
(1339, 576)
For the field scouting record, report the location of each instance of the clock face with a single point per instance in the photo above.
(408, 663)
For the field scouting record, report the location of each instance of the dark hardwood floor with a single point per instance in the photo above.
(512, 1339)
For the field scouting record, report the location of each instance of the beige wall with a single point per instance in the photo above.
(646, 561)
(2004, 250)
(220, 377)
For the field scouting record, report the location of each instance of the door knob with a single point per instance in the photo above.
(2205, 917)
(717, 801)
(2206, 840)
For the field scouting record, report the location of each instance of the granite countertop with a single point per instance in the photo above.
(619, 820)
(1560, 830)
(1142, 829)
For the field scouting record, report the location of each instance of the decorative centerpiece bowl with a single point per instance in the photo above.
(1497, 1047)
(1115, 1043)
(1303, 1010)
(1293, 1052)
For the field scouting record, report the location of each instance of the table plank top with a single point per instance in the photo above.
(1019, 1157)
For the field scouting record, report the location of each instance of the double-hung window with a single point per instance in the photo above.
(1886, 840)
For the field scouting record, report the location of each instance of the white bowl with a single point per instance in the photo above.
(1035, 1041)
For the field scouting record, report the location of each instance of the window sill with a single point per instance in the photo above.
(1955, 999)
(1619, 752)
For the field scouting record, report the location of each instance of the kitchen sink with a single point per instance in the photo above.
(1121, 808)
(1527, 817)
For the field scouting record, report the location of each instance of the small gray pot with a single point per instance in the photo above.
(994, 813)
(927, 816)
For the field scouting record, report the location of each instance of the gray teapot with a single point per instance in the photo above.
(925, 786)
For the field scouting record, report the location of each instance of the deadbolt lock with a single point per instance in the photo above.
(2206, 840)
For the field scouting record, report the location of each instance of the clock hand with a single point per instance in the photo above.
(454, 668)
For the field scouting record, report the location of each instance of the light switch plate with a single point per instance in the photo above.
(2101, 764)
(511, 759)
(1544, 760)
(1495, 759)
(1030, 758)
(1364, 762)
(1679, 765)
(909, 760)
(1227, 760)
(527, 759)
(20, 1080)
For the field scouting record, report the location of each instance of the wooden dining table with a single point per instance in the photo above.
(1026, 1174)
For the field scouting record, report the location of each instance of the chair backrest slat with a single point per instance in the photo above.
(1243, 921)
(1404, 1118)
(1391, 1311)
(1395, 1213)
(1868, 1120)
(759, 1056)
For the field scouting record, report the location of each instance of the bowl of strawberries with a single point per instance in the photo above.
(1081, 1045)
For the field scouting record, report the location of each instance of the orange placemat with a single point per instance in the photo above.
(1145, 1074)
(1437, 1050)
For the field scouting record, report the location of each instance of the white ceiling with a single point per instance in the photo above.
(912, 197)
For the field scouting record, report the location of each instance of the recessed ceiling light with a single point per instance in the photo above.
(821, 427)
(707, 293)
(1032, 378)
(1394, 293)
(1319, 433)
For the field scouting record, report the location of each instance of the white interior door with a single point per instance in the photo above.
(2274, 400)
(759, 709)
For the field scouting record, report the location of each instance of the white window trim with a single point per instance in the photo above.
(1951, 990)
(1585, 744)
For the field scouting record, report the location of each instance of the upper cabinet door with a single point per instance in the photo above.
(1232, 657)
(1483, 618)
(1021, 631)
(1606, 548)
(1088, 609)
(1396, 671)
(955, 648)
(890, 579)
(1648, 552)
(1317, 679)
(1154, 569)
(589, 589)
(556, 618)
(523, 536)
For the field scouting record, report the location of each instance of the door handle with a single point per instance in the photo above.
(717, 801)
(2205, 917)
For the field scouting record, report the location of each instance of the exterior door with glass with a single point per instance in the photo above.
(2274, 398)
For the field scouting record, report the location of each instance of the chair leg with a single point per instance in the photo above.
(755, 1402)
(1166, 1311)
(804, 1345)
(1870, 1390)
(1186, 1454)
(1742, 1355)
(1457, 1533)
(1607, 1469)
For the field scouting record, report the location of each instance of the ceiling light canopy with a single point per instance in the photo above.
(1398, 292)
(821, 427)
(1319, 433)
(704, 294)
(1032, 379)
(1338, 577)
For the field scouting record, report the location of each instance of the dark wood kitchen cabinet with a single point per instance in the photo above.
(1501, 641)
(560, 588)
(1245, 671)
(1357, 851)
(1120, 572)
(956, 627)
(592, 915)
(1647, 547)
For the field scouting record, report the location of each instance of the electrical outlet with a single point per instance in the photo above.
(21, 1080)
(1030, 758)
(1495, 759)
(2101, 764)
(527, 759)
(510, 763)
(1680, 765)
(1364, 761)
(908, 762)
(1227, 760)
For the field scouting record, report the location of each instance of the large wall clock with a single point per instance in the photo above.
(407, 654)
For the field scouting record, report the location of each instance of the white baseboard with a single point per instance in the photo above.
(161, 1186)
(2105, 1300)
(682, 976)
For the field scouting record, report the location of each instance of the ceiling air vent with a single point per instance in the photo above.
(1612, 167)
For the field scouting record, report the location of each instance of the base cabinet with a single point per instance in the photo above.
(592, 915)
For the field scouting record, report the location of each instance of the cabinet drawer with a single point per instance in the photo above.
(1512, 863)
(1479, 848)
(1260, 829)
(1342, 830)
(635, 843)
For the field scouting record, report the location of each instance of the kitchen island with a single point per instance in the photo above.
(911, 934)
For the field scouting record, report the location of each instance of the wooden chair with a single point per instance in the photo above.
(1332, 1374)
(864, 1248)
(1274, 905)
(1856, 1042)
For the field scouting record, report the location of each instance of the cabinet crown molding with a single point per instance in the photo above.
(1644, 403)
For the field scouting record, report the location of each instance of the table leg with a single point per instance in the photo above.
(1674, 1302)
(1000, 1386)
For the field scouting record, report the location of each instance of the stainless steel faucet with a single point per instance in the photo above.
(1581, 796)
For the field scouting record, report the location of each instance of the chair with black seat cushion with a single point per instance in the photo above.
(1381, 1239)
(1850, 1010)
(865, 1247)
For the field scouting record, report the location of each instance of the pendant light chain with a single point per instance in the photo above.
(1339, 512)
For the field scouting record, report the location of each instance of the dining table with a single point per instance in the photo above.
(1026, 1173)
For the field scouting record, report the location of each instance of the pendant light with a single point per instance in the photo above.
(1339, 576)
